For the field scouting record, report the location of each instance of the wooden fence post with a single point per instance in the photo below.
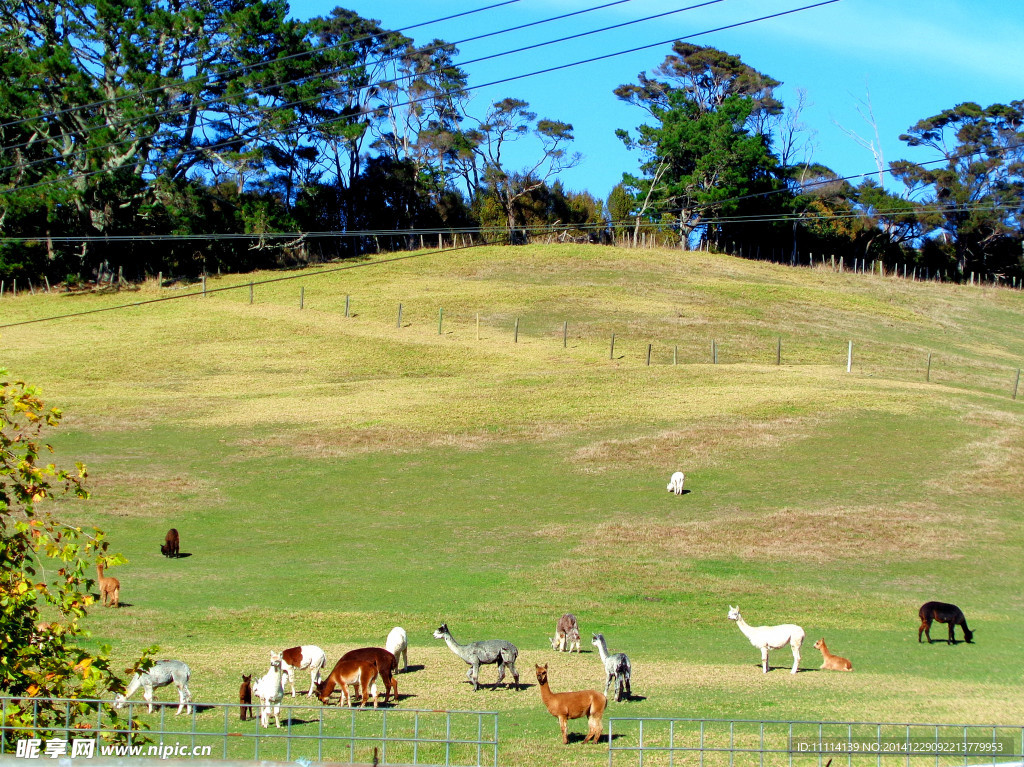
(778, 352)
(611, 353)
(849, 358)
(399, 324)
(346, 305)
(928, 372)
(440, 319)
(565, 333)
(515, 338)
(1016, 383)
(302, 296)
(649, 355)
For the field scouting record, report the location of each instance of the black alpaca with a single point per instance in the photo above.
(942, 612)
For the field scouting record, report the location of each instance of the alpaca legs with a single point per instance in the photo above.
(764, 659)
(565, 734)
(796, 659)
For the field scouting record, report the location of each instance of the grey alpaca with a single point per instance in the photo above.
(616, 667)
(476, 653)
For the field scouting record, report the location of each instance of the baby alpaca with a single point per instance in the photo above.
(110, 587)
(573, 705)
(245, 698)
(832, 662)
(675, 483)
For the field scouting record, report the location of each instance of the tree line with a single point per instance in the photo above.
(186, 136)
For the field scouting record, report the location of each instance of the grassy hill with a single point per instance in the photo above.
(333, 476)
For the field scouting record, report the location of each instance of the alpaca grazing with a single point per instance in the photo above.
(245, 698)
(767, 638)
(675, 483)
(160, 674)
(567, 634)
(361, 673)
(573, 705)
(171, 544)
(488, 651)
(270, 690)
(617, 668)
(386, 664)
(308, 656)
(397, 644)
(832, 662)
(110, 587)
(942, 612)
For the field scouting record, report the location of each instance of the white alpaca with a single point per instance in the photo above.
(308, 656)
(398, 644)
(675, 483)
(160, 674)
(270, 690)
(771, 638)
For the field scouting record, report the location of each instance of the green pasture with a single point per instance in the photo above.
(333, 476)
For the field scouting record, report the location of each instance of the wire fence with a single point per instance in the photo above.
(313, 733)
(729, 743)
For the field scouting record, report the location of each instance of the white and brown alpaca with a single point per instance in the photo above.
(567, 634)
(307, 656)
(270, 690)
(767, 638)
(361, 673)
(110, 587)
(832, 662)
(573, 705)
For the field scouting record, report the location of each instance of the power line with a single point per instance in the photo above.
(72, 315)
(513, 78)
(247, 67)
(427, 49)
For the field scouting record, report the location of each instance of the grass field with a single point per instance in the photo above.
(335, 476)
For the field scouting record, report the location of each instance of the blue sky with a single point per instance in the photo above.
(914, 58)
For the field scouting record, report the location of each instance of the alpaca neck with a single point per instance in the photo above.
(824, 651)
(456, 648)
(99, 570)
(602, 649)
(744, 626)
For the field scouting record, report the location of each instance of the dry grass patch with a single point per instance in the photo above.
(149, 494)
(697, 446)
(818, 535)
(992, 464)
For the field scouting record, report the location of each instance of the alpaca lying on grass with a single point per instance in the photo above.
(832, 662)
(573, 705)
(767, 638)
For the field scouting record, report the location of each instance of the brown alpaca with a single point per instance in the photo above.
(573, 705)
(110, 588)
(346, 672)
(387, 666)
(832, 662)
(245, 698)
(171, 544)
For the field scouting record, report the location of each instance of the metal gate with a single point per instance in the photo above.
(308, 732)
(732, 743)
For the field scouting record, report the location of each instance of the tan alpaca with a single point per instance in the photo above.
(110, 588)
(573, 705)
(832, 662)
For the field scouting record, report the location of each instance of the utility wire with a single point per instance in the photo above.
(513, 78)
(328, 93)
(247, 67)
(304, 275)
